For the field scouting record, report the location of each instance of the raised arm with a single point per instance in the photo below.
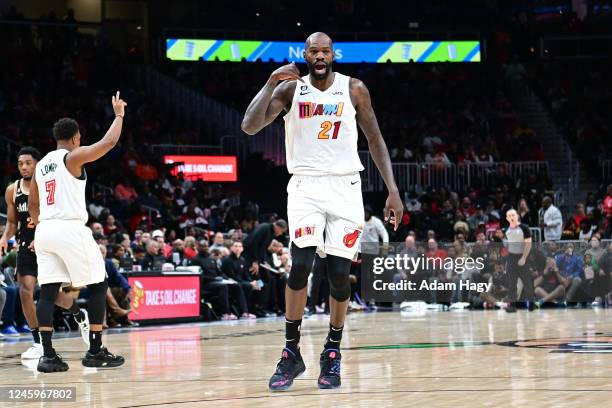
(11, 218)
(87, 154)
(378, 149)
(33, 200)
(271, 99)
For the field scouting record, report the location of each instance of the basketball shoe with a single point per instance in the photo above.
(289, 367)
(330, 369)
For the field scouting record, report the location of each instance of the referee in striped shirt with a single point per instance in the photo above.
(518, 239)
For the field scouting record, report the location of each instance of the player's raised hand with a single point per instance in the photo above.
(394, 210)
(287, 72)
(118, 105)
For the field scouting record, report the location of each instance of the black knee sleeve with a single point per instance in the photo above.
(301, 265)
(338, 270)
(97, 302)
(46, 303)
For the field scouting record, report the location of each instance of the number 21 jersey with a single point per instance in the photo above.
(321, 130)
(61, 195)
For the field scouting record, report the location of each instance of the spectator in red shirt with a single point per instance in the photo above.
(190, 247)
(124, 191)
(579, 213)
(607, 202)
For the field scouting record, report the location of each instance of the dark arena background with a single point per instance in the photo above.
(487, 108)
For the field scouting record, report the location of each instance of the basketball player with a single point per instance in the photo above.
(518, 237)
(66, 250)
(20, 222)
(324, 194)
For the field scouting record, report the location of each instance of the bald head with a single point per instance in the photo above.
(318, 39)
(319, 56)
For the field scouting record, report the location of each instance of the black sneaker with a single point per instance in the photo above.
(289, 367)
(52, 364)
(511, 309)
(102, 359)
(330, 369)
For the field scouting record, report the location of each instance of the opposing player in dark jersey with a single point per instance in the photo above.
(518, 239)
(20, 223)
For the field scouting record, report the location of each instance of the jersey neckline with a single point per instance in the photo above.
(330, 87)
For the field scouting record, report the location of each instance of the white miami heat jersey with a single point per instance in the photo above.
(61, 195)
(321, 130)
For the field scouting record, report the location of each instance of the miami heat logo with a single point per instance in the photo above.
(351, 237)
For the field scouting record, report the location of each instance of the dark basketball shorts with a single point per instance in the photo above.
(26, 262)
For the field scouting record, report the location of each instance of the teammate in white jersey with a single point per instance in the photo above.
(324, 193)
(65, 248)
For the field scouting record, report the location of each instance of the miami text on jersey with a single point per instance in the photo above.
(310, 109)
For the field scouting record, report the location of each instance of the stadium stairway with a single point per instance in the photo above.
(566, 171)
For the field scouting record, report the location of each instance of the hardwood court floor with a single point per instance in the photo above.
(439, 359)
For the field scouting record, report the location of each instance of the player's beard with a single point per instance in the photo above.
(318, 77)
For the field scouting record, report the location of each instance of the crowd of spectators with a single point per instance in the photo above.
(145, 216)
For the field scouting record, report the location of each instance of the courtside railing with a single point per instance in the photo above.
(419, 176)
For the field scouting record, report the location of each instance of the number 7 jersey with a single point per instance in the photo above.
(321, 130)
(61, 195)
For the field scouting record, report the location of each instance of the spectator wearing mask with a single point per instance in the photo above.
(550, 220)
(595, 249)
(571, 268)
(258, 241)
(234, 267)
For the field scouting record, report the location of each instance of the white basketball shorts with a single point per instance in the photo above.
(67, 253)
(326, 212)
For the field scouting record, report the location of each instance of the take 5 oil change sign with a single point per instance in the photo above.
(206, 168)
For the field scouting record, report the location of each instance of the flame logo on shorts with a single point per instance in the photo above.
(351, 238)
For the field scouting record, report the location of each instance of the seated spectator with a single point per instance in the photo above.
(139, 254)
(111, 226)
(601, 282)
(275, 276)
(218, 241)
(141, 239)
(214, 284)
(177, 256)
(571, 268)
(590, 271)
(586, 230)
(570, 230)
(125, 192)
(13, 320)
(118, 296)
(190, 247)
(499, 288)
(579, 213)
(527, 216)
(166, 249)
(234, 267)
(153, 259)
(595, 249)
(550, 286)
